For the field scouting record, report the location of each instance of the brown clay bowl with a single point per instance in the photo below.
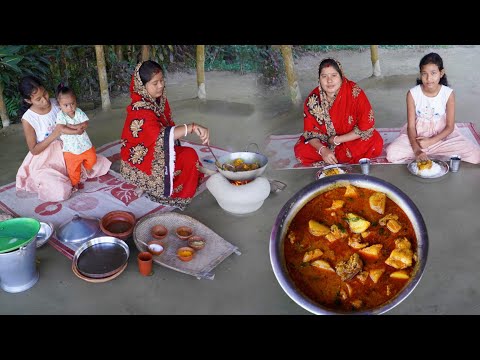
(118, 224)
(159, 232)
(184, 232)
(185, 253)
(196, 242)
(155, 247)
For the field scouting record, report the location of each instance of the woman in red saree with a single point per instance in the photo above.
(339, 126)
(151, 155)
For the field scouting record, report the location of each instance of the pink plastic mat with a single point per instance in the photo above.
(279, 148)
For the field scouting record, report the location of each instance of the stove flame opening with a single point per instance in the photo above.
(240, 182)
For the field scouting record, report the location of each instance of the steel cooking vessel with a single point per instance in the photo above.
(248, 157)
(295, 203)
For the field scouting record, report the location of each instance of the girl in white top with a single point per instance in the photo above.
(43, 170)
(430, 129)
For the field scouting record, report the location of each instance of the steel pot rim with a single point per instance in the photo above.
(243, 175)
(298, 200)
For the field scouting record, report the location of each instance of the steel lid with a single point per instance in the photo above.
(17, 232)
(78, 229)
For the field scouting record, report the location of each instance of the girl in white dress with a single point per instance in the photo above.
(430, 129)
(43, 170)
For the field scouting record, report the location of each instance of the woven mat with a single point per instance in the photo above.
(204, 261)
(279, 148)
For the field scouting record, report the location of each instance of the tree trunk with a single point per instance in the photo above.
(131, 53)
(202, 93)
(3, 109)
(102, 77)
(119, 51)
(375, 60)
(145, 52)
(291, 76)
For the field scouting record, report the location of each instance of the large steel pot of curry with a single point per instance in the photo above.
(334, 251)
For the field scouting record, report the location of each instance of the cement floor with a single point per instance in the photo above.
(240, 111)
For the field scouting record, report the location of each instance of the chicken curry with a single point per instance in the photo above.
(351, 249)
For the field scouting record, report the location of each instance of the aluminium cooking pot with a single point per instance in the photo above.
(303, 196)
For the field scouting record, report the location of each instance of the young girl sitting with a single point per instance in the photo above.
(43, 169)
(77, 148)
(430, 128)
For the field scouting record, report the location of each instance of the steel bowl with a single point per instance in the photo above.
(248, 157)
(302, 197)
(45, 233)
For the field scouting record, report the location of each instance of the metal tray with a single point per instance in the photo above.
(101, 257)
(444, 166)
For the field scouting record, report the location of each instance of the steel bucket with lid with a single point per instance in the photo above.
(18, 271)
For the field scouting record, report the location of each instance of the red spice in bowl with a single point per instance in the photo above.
(184, 232)
(159, 232)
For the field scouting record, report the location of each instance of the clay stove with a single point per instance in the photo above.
(238, 197)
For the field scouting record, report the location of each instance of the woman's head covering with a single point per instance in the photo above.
(140, 95)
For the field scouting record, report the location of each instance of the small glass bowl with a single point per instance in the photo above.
(159, 232)
(196, 242)
(185, 253)
(184, 232)
(155, 247)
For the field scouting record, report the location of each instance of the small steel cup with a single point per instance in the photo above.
(455, 163)
(365, 165)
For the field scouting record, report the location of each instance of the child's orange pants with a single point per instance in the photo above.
(74, 163)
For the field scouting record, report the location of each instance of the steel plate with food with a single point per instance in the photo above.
(349, 244)
(336, 169)
(428, 169)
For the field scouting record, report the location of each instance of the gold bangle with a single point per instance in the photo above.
(320, 150)
(334, 142)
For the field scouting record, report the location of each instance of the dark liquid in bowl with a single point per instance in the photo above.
(119, 227)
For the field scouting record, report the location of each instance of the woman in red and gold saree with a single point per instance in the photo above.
(339, 126)
(151, 155)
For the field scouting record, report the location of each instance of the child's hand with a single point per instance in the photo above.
(58, 130)
(421, 156)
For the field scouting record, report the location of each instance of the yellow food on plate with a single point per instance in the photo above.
(424, 165)
(332, 171)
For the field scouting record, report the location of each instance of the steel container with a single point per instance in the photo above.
(302, 197)
(18, 270)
